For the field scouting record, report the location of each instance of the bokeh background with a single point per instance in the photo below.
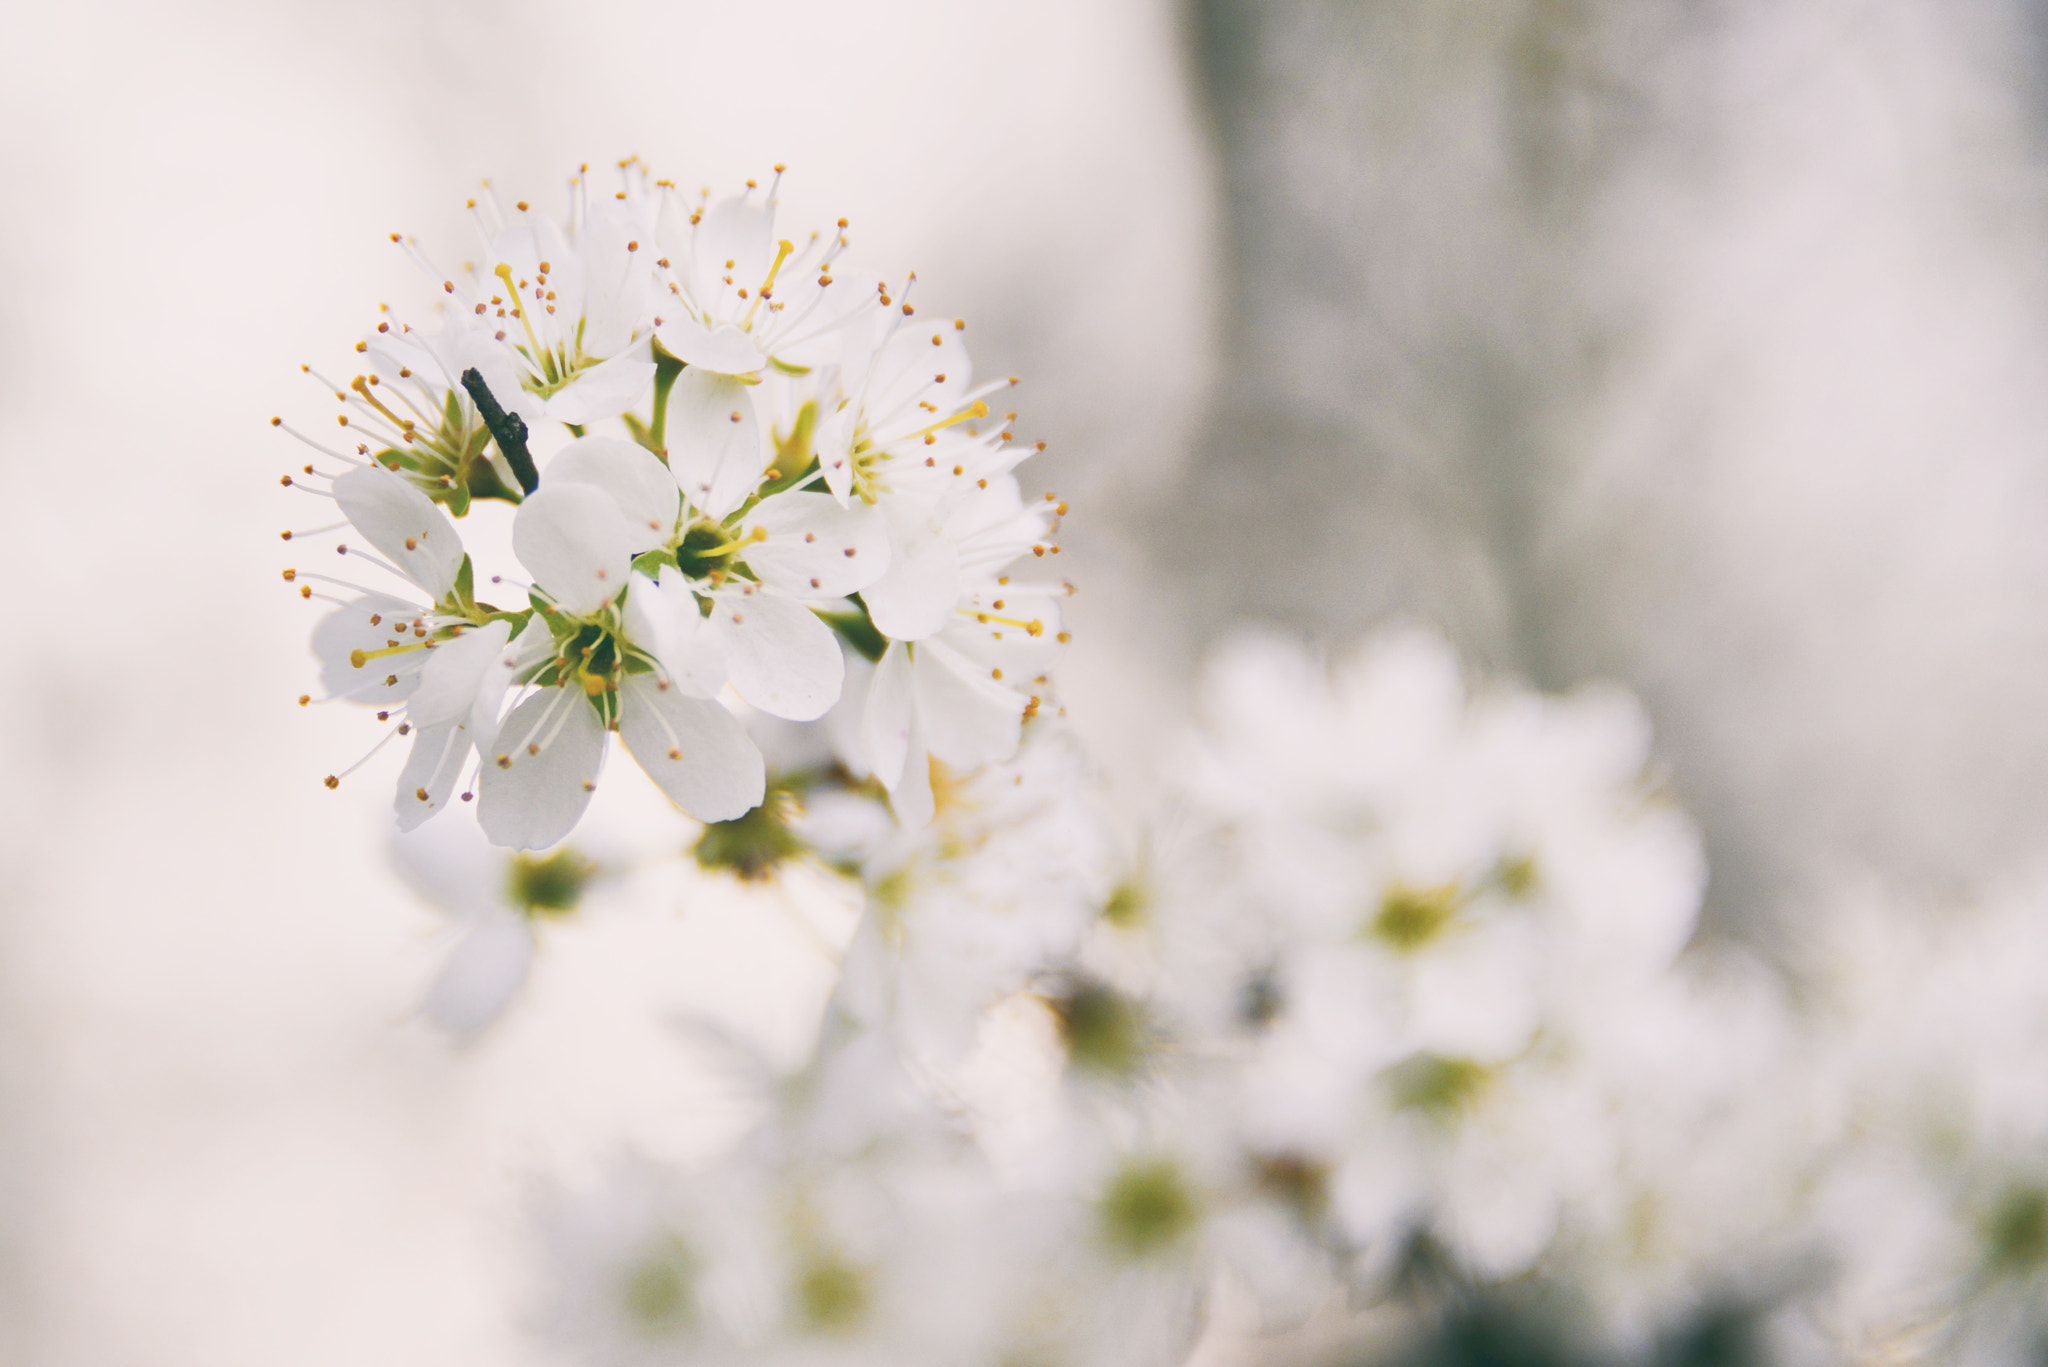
(1702, 347)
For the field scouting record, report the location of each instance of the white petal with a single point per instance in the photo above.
(916, 597)
(438, 754)
(967, 718)
(815, 548)
(724, 350)
(885, 727)
(998, 642)
(529, 801)
(453, 673)
(575, 543)
(483, 973)
(714, 443)
(635, 478)
(693, 749)
(783, 659)
(529, 647)
(735, 230)
(404, 526)
(604, 391)
(346, 630)
(619, 283)
(834, 443)
(911, 797)
(662, 618)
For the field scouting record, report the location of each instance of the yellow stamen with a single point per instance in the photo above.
(359, 658)
(404, 425)
(1034, 627)
(782, 251)
(504, 273)
(979, 410)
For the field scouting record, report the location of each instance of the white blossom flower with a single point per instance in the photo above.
(739, 300)
(571, 309)
(578, 540)
(434, 665)
(494, 901)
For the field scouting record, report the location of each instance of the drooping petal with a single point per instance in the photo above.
(482, 975)
(663, 619)
(530, 647)
(576, 544)
(915, 598)
(451, 866)
(693, 749)
(635, 478)
(714, 442)
(404, 526)
(885, 725)
(911, 797)
(721, 350)
(967, 718)
(428, 779)
(453, 673)
(605, 390)
(783, 659)
(814, 547)
(549, 753)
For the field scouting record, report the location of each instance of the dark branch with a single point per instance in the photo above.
(507, 429)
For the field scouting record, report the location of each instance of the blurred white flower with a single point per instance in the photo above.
(494, 900)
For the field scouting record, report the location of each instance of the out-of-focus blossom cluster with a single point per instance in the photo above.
(1394, 1013)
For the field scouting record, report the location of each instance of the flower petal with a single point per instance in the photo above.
(530, 800)
(605, 390)
(530, 647)
(967, 718)
(662, 618)
(714, 442)
(693, 749)
(723, 350)
(814, 547)
(346, 630)
(404, 526)
(784, 660)
(483, 973)
(453, 673)
(911, 797)
(575, 543)
(428, 779)
(885, 725)
(635, 478)
(915, 597)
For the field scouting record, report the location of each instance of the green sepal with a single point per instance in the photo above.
(465, 585)
(391, 458)
(558, 623)
(857, 629)
(649, 563)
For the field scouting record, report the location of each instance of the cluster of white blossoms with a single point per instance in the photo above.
(1399, 1000)
(1397, 1003)
(733, 461)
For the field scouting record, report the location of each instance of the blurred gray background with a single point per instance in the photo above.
(1698, 346)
